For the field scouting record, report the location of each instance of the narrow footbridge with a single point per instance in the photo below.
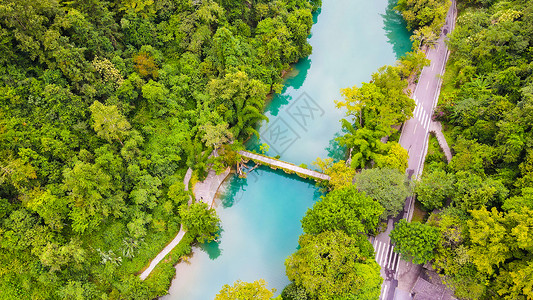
(287, 167)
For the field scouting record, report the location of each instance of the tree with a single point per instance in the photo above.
(332, 265)
(380, 104)
(109, 123)
(341, 176)
(396, 158)
(216, 135)
(387, 186)
(415, 241)
(345, 209)
(200, 220)
(434, 188)
(256, 290)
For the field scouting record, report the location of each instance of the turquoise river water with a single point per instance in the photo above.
(260, 215)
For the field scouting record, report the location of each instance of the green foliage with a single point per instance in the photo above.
(415, 241)
(200, 220)
(387, 186)
(434, 188)
(374, 109)
(101, 108)
(333, 265)
(425, 17)
(344, 209)
(256, 290)
(396, 158)
(340, 174)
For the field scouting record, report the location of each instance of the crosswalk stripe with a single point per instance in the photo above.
(419, 110)
(397, 263)
(380, 256)
(384, 256)
(391, 257)
(424, 120)
(378, 249)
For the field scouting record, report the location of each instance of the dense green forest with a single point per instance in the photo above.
(478, 234)
(103, 107)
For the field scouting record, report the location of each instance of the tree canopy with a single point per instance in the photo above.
(334, 265)
(344, 209)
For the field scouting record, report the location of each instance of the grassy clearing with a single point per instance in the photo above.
(419, 214)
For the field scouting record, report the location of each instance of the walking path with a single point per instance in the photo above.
(203, 191)
(206, 190)
(284, 165)
(436, 128)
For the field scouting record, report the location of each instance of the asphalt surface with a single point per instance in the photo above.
(414, 138)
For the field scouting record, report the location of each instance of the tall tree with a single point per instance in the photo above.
(415, 241)
(387, 186)
(332, 265)
(344, 209)
(109, 123)
(256, 290)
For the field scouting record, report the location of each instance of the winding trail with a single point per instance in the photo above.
(204, 191)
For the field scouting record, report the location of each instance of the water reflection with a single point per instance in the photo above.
(212, 248)
(334, 148)
(396, 30)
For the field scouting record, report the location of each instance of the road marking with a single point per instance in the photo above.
(433, 67)
(396, 267)
(385, 289)
(427, 85)
(378, 250)
(428, 121)
(381, 255)
(391, 256)
(416, 126)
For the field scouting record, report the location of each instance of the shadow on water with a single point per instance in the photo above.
(335, 150)
(235, 189)
(213, 248)
(294, 80)
(396, 29)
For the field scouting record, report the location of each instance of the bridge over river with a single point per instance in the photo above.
(287, 167)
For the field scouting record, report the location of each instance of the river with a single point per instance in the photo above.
(260, 215)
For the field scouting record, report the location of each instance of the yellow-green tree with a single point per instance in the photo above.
(109, 123)
(241, 290)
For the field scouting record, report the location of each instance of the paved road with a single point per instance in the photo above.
(414, 139)
(415, 132)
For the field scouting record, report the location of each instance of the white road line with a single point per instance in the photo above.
(381, 250)
(416, 112)
(433, 67)
(416, 126)
(378, 249)
(428, 121)
(422, 120)
(427, 85)
(394, 263)
(391, 257)
(385, 290)
(397, 263)
(384, 257)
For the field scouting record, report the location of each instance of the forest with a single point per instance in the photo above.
(482, 201)
(104, 105)
(476, 232)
